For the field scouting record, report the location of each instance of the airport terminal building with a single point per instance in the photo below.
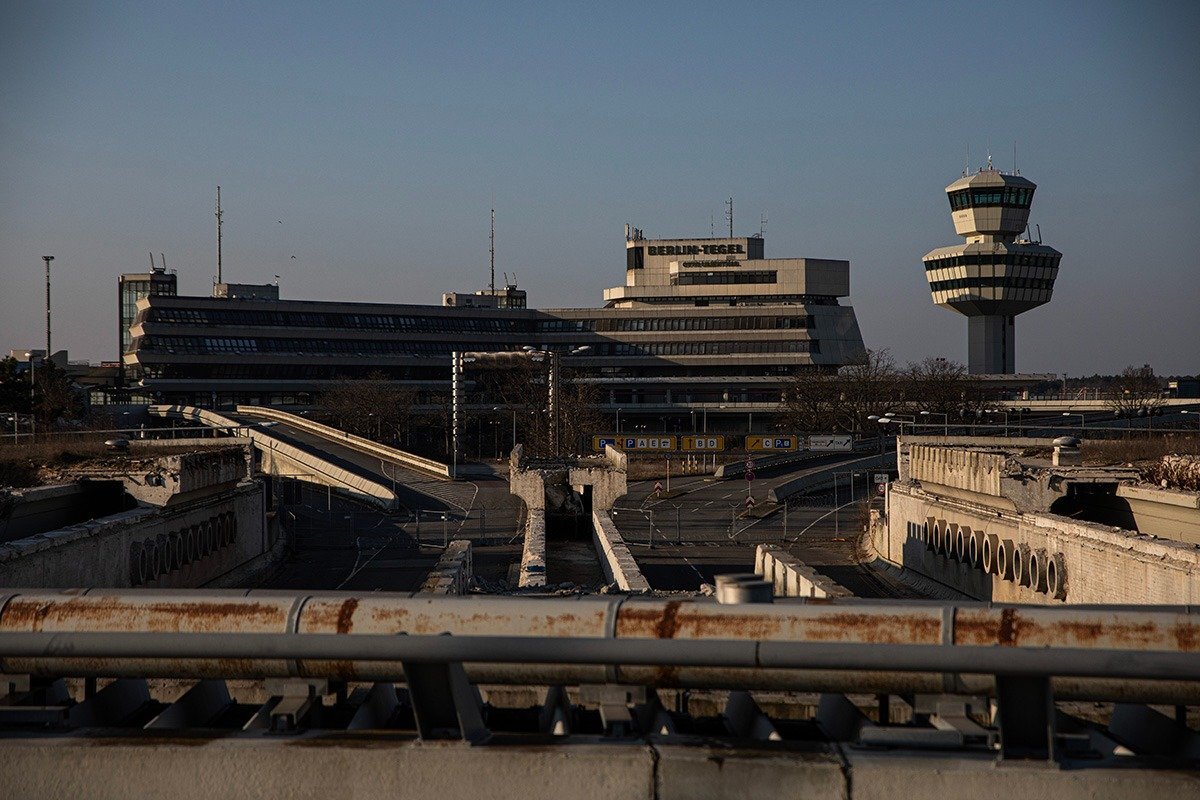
(698, 324)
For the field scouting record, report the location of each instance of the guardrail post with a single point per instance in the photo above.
(445, 704)
(1026, 712)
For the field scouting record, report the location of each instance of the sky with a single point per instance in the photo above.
(370, 141)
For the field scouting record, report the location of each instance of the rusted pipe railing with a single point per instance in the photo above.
(165, 649)
(974, 630)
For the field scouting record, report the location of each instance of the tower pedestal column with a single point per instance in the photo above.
(991, 345)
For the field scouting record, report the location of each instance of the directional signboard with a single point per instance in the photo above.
(645, 444)
(780, 444)
(831, 442)
(708, 444)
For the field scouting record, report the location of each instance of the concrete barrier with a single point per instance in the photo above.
(277, 454)
(616, 561)
(793, 578)
(453, 572)
(533, 552)
(817, 480)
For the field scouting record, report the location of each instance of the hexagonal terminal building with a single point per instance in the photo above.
(993, 275)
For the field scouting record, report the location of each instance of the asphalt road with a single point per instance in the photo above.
(687, 539)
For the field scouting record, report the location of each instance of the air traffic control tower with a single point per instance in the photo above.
(993, 276)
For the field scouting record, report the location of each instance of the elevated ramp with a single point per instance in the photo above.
(280, 457)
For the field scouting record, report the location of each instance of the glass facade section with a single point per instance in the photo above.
(714, 278)
(995, 259)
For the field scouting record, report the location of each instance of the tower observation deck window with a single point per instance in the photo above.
(1006, 196)
(714, 278)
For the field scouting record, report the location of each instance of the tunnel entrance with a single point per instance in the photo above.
(568, 513)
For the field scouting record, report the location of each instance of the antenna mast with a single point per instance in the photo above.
(219, 215)
(762, 225)
(493, 253)
(729, 215)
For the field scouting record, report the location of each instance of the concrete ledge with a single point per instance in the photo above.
(792, 577)
(453, 572)
(533, 553)
(616, 561)
(1170, 497)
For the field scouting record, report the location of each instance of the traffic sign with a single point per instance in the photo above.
(839, 442)
(703, 443)
(881, 477)
(749, 502)
(657, 487)
(657, 444)
(772, 443)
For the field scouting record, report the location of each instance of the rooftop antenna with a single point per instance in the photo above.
(162, 258)
(989, 159)
(152, 267)
(1015, 170)
(712, 224)
(762, 224)
(506, 279)
(967, 165)
(1039, 230)
(729, 215)
(219, 215)
(493, 252)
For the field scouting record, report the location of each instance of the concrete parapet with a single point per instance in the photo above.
(533, 552)
(972, 470)
(616, 561)
(792, 577)
(453, 572)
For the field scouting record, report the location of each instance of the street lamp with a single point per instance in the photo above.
(48, 259)
(1196, 414)
(945, 420)
(618, 419)
(1082, 418)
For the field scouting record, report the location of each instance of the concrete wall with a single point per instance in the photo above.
(816, 480)
(616, 561)
(1094, 563)
(180, 546)
(791, 577)
(533, 551)
(453, 572)
(26, 512)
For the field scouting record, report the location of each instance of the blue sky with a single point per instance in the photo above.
(370, 141)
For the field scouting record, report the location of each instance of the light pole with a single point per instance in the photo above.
(945, 420)
(618, 419)
(1196, 414)
(1082, 418)
(48, 259)
(836, 506)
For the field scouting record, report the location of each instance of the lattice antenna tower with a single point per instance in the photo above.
(729, 215)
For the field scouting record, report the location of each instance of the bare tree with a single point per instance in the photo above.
(941, 386)
(842, 402)
(375, 407)
(1137, 391)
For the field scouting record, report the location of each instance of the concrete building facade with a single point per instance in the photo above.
(676, 337)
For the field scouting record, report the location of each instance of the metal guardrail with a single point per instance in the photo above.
(164, 651)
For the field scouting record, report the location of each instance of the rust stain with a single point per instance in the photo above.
(345, 617)
(1006, 635)
(116, 613)
(1186, 637)
(668, 624)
